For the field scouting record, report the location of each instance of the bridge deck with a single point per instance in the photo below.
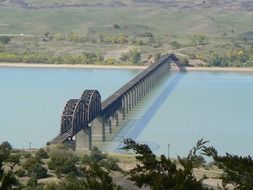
(114, 102)
(128, 86)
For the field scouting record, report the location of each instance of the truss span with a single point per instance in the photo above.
(77, 114)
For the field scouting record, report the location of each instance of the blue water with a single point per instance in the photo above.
(183, 108)
(213, 106)
(32, 100)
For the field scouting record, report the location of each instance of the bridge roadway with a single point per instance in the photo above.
(87, 120)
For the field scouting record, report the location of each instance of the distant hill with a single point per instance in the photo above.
(73, 27)
(182, 4)
(176, 17)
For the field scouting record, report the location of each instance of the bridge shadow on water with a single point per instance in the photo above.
(139, 125)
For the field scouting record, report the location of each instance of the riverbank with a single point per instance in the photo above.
(69, 66)
(221, 69)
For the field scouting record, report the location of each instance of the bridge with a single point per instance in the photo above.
(87, 120)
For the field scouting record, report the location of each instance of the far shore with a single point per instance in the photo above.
(70, 66)
(77, 66)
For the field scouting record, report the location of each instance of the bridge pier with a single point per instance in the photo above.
(98, 129)
(84, 139)
(121, 115)
(108, 125)
(115, 119)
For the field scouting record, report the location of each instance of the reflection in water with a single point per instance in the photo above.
(209, 105)
(139, 125)
(180, 110)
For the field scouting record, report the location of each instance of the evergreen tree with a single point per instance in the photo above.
(238, 170)
(162, 173)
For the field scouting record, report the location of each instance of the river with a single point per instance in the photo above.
(183, 108)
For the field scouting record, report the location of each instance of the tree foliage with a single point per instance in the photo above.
(63, 164)
(101, 159)
(34, 166)
(133, 56)
(42, 154)
(163, 173)
(199, 39)
(234, 57)
(5, 39)
(92, 177)
(238, 170)
(85, 58)
(7, 177)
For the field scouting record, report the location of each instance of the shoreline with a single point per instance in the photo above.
(221, 69)
(69, 66)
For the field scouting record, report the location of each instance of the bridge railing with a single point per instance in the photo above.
(116, 97)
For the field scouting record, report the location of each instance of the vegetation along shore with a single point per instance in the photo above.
(84, 33)
(79, 66)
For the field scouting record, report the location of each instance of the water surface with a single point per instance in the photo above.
(32, 100)
(183, 108)
(216, 106)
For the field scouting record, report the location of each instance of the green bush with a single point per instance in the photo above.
(109, 164)
(199, 39)
(157, 56)
(42, 154)
(2, 48)
(63, 164)
(5, 39)
(25, 154)
(86, 58)
(20, 172)
(38, 170)
(34, 166)
(96, 155)
(133, 56)
(175, 44)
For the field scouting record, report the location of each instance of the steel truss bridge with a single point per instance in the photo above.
(87, 119)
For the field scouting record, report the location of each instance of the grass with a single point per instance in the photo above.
(167, 21)
(159, 20)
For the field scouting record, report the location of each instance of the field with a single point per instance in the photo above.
(112, 27)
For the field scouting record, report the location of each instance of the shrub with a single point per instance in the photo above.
(199, 39)
(175, 44)
(157, 56)
(63, 164)
(5, 39)
(42, 154)
(38, 170)
(20, 172)
(34, 166)
(96, 155)
(133, 56)
(109, 164)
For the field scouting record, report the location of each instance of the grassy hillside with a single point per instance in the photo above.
(178, 18)
(223, 22)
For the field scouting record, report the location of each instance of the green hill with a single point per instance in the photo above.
(95, 21)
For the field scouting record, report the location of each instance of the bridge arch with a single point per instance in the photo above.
(79, 112)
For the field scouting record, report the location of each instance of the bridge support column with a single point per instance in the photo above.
(142, 89)
(84, 140)
(115, 119)
(138, 93)
(129, 94)
(108, 126)
(127, 102)
(114, 122)
(98, 130)
(135, 96)
(121, 115)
